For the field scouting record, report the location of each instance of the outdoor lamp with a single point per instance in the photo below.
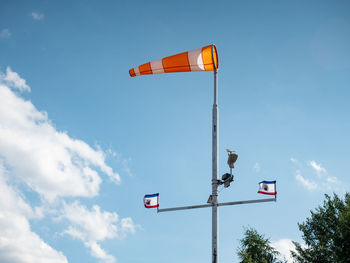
(226, 179)
(232, 158)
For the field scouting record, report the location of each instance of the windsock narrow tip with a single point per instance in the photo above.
(132, 73)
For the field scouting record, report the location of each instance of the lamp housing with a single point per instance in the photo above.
(226, 179)
(232, 158)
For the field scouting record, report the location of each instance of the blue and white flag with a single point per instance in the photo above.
(151, 201)
(267, 188)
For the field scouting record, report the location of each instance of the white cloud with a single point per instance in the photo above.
(333, 180)
(256, 167)
(54, 166)
(93, 226)
(284, 246)
(310, 185)
(318, 178)
(48, 161)
(127, 226)
(5, 33)
(37, 16)
(90, 225)
(123, 162)
(97, 252)
(293, 160)
(18, 244)
(317, 167)
(13, 80)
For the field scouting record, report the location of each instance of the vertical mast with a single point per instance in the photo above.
(215, 167)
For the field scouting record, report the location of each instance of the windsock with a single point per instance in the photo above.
(201, 59)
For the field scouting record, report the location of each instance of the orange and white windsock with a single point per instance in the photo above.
(201, 59)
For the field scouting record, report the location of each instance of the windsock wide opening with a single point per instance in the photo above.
(201, 59)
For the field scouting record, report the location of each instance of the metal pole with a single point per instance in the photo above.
(182, 208)
(159, 210)
(215, 167)
(248, 202)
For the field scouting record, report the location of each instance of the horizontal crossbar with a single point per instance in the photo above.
(159, 210)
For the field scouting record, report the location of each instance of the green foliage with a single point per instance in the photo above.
(255, 248)
(326, 233)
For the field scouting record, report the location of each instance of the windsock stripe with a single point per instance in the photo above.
(157, 66)
(195, 59)
(145, 69)
(207, 58)
(137, 71)
(177, 62)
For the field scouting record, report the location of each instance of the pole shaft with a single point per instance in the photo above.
(215, 168)
(182, 208)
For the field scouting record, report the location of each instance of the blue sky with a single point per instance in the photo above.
(81, 142)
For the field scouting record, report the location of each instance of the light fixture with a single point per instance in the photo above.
(226, 179)
(210, 199)
(232, 158)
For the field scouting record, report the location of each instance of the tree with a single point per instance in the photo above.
(326, 233)
(255, 248)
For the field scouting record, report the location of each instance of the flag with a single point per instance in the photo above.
(151, 200)
(201, 59)
(267, 188)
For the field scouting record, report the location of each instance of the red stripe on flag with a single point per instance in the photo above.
(151, 206)
(260, 192)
